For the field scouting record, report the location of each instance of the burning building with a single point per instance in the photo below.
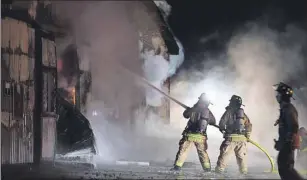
(52, 80)
(157, 45)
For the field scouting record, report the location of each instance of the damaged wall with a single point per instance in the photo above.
(28, 77)
(17, 94)
(140, 16)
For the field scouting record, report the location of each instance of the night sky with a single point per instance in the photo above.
(191, 20)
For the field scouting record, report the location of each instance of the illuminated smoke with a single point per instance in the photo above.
(256, 58)
(156, 67)
(105, 37)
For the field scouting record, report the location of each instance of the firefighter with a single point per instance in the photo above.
(236, 127)
(302, 152)
(288, 139)
(195, 133)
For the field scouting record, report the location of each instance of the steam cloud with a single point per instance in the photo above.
(156, 67)
(256, 58)
(105, 37)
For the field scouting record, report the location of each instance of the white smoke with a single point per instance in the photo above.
(156, 71)
(256, 58)
(112, 38)
(106, 37)
(156, 67)
(164, 7)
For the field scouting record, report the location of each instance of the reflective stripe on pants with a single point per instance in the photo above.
(201, 147)
(226, 149)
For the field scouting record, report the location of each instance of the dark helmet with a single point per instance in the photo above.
(236, 100)
(284, 89)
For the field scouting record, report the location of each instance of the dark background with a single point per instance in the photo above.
(192, 20)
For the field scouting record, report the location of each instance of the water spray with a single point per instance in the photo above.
(185, 107)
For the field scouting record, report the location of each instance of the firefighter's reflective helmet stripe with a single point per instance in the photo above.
(284, 89)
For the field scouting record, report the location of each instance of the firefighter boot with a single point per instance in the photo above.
(176, 168)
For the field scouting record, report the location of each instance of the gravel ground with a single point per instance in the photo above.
(154, 171)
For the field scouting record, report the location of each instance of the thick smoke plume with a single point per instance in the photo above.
(256, 58)
(105, 35)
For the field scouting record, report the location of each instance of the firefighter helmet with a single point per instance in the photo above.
(236, 99)
(203, 97)
(284, 89)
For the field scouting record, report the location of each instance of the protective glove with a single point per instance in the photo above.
(187, 112)
(278, 145)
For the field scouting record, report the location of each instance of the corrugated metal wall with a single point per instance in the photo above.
(49, 100)
(17, 94)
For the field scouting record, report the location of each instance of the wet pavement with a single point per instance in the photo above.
(112, 171)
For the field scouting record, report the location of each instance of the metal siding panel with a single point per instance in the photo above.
(45, 52)
(18, 43)
(31, 48)
(17, 144)
(52, 53)
(48, 137)
(49, 85)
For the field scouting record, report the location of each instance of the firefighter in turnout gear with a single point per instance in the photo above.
(237, 128)
(195, 133)
(288, 139)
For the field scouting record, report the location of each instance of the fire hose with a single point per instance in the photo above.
(261, 148)
(185, 107)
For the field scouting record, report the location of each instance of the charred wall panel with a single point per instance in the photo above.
(17, 93)
(156, 36)
(21, 83)
(49, 137)
(49, 75)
